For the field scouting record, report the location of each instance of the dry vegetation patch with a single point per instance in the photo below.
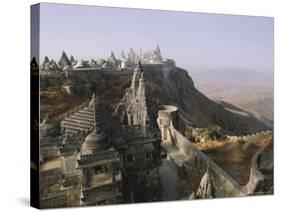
(235, 156)
(56, 103)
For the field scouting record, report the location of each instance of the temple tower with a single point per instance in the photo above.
(100, 165)
(167, 118)
(142, 155)
(137, 109)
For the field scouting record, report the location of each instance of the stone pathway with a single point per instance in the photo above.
(170, 180)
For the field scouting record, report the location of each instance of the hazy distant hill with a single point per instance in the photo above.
(252, 91)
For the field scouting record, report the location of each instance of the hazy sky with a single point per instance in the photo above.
(196, 41)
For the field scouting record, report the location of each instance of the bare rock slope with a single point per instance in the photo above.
(174, 86)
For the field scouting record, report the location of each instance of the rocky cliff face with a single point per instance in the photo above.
(165, 85)
(174, 86)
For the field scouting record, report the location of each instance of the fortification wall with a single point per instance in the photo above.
(196, 161)
(249, 137)
(224, 184)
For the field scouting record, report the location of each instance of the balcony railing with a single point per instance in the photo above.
(85, 160)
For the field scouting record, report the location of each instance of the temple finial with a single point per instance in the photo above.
(140, 56)
(92, 102)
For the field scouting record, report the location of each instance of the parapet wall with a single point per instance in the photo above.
(194, 162)
(224, 184)
(248, 137)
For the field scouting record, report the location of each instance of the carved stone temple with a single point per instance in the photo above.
(115, 156)
(100, 164)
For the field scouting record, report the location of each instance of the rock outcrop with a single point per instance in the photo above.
(206, 189)
(173, 86)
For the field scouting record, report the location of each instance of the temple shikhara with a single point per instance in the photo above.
(67, 64)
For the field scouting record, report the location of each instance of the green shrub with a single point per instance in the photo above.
(241, 141)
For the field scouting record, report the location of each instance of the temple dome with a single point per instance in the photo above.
(81, 64)
(96, 141)
(101, 61)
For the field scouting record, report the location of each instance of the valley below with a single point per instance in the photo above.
(249, 91)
